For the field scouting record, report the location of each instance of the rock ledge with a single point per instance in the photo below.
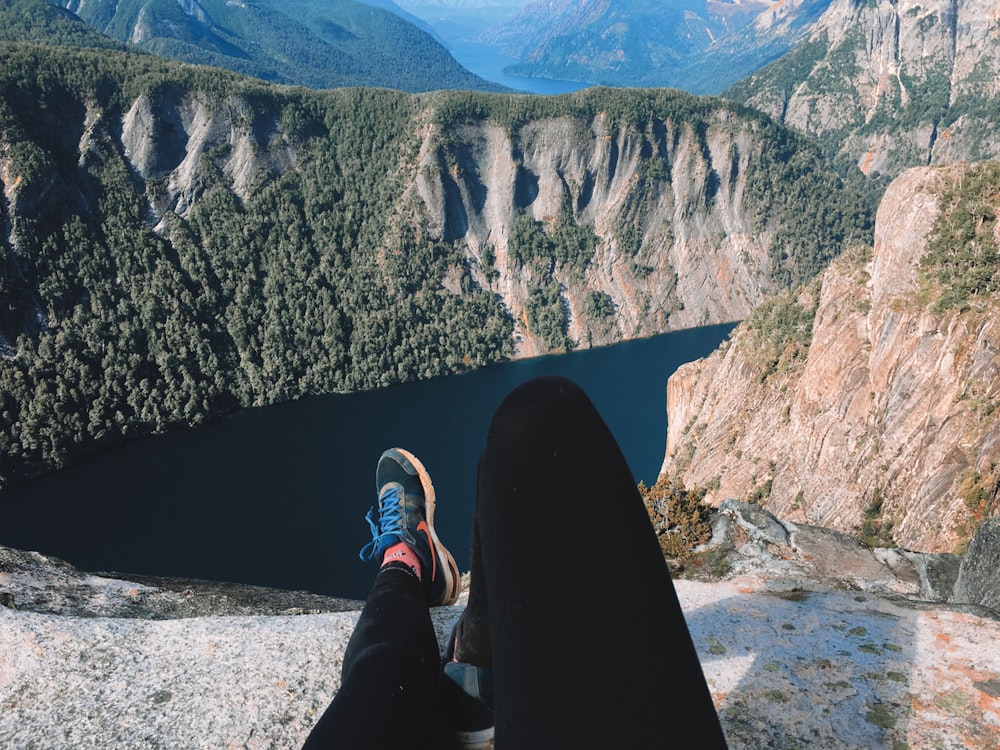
(797, 650)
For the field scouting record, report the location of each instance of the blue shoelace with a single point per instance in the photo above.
(386, 522)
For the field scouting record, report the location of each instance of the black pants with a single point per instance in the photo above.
(590, 647)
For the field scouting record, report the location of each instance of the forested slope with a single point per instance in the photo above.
(316, 43)
(179, 242)
(39, 21)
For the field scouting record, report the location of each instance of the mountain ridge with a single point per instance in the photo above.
(304, 42)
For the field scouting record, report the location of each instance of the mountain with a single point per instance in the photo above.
(891, 85)
(315, 43)
(771, 33)
(398, 10)
(39, 21)
(179, 242)
(460, 20)
(701, 46)
(866, 401)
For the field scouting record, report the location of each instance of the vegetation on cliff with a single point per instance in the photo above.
(780, 330)
(125, 312)
(963, 255)
(122, 330)
(680, 518)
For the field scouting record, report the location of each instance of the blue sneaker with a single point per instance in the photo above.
(405, 513)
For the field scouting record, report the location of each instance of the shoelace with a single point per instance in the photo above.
(386, 522)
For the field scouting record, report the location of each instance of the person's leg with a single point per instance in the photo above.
(389, 693)
(589, 644)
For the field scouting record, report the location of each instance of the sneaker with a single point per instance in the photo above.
(405, 513)
(466, 692)
(467, 695)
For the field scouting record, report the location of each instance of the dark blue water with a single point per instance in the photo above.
(277, 496)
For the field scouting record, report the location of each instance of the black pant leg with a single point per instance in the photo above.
(590, 646)
(389, 694)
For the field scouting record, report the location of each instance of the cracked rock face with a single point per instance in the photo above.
(887, 409)
(701, 258)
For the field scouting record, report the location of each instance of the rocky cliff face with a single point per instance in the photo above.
(166, 136)
(882, 423)
(698, 258)
(891, 85)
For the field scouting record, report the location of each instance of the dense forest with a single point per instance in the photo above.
(119, 317)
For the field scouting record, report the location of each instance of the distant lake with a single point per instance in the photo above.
(487, 62)
(276, 496)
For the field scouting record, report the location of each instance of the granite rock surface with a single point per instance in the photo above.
(797, 653)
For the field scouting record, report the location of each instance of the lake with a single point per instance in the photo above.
(276, 496)
(488, 62)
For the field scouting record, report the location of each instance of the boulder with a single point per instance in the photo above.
(979, 575)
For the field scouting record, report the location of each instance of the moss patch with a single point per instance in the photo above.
(881, 716)
(715, 648)
(954, 702)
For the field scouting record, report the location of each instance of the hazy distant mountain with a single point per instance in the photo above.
(772, 33)
(316, 43)
(460, 20)
(699, 45)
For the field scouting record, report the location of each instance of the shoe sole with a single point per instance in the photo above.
(481, 740)
(449, 568)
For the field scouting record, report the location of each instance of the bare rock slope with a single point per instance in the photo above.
(695, 254)
(879, 419)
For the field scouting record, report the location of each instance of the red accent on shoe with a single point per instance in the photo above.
(422, 526)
